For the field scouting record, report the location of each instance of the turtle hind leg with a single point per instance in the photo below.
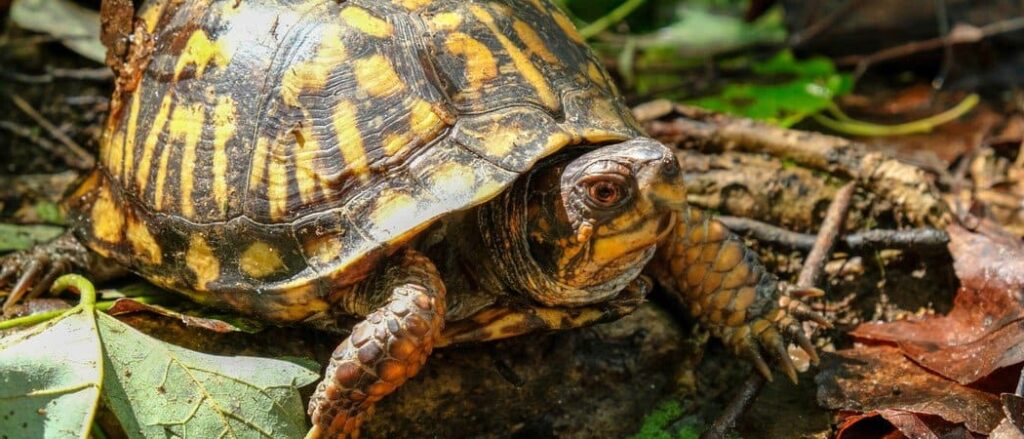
(383, 351)
(30, 272)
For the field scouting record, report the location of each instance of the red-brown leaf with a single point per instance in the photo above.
(880, 378)
(985, 329)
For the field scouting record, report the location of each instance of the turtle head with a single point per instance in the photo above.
(612, 207)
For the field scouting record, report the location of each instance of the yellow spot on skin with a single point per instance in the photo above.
(312, 74)
(143, 244)
(223, 130)
(201, 52)
(186, 124)
(361, 19)
(145, 164)
(377, 76)
(350, 140)
(533, 42)
(203, 263)
(413, 5)
(520, 59)
(566, 24)
(107, 218)
(260, 260)
(446, 21)
(480, 63)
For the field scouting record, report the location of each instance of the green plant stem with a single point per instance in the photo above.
(78, 284)
(846, 125)
(615, 16)
(48, 315)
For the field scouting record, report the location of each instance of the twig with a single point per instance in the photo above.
(101, 74)
(44, 144)
(959, 35)
(809, 275)
(908, 187)
(615, 16)
(810, 32)
(923, 239)
(79, 158)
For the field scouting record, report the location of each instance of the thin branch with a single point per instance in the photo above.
(79, 158)
(924, 240)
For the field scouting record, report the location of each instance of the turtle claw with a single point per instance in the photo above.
(31, 272)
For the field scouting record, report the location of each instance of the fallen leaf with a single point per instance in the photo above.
(50, 378)
(984, 331)
(900, 424)
(75, 26)
(157, 389)
(236, 324)
(878, 378)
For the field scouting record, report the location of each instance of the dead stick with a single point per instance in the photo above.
(809, 275)
(924, 239)
(79, 158)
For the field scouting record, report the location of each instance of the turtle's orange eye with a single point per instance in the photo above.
(605, 193)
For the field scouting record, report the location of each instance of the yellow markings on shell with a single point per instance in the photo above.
(394, 143)
(480, 63)
(565, 23)
(377, 76)
(129, 140)
(447, 21)
(277, 181)
(534, 42)
(595, 74)
(313, 74)
(224, 123)
(186, 124)
(306, 152)
(413, 5)
(260, 260)
(112, 151)
(350, 139)
(424, 121)
(202, 52)
(321, 251)
(145, 163)
(259, 163)
(365, 22)
(522, 62)
(143, 244)
(452, 177)
(107, 218)
(395, 211)
(150, 14)
(200, 259)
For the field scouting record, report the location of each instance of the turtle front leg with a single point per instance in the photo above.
(726, 288)
(383, 351)
(498, 322)
(30, 272)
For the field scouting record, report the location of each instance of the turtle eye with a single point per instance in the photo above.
(606, 192)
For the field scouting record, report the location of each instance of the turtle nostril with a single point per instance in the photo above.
(671, 168)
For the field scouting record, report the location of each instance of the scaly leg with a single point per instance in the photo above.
(726, 288)
(30, 272)
(383, 351)
(500, 322)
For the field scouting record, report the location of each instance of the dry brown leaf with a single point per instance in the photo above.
(878, 378)
(985, 329)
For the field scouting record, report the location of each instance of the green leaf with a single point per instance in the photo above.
(50, 378)
(160, 390)
(785, 92)
(17, 237)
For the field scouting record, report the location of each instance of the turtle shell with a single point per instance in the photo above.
(275, 150)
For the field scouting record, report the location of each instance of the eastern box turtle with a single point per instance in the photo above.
(446, 171)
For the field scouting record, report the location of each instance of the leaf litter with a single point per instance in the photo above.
(928, 376)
